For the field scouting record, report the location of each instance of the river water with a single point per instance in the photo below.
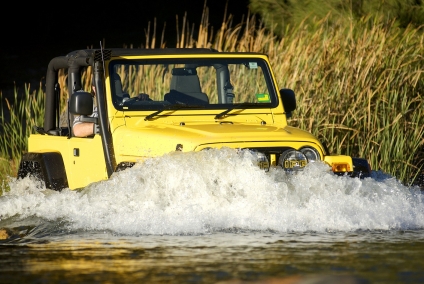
(214, 217)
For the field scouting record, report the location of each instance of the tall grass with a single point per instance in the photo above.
(359, 89)
(23, 114)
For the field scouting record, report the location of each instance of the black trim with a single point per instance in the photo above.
(105, 134)
(361, 168)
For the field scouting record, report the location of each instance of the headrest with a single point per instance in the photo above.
(116, 77)
(184, 71)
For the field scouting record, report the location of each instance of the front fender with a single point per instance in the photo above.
(48, 167)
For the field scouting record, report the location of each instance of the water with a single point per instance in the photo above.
(214, 217)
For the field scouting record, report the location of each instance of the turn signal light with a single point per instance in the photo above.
(341, 167)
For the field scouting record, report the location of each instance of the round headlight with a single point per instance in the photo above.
(292, 160)
(311, 154)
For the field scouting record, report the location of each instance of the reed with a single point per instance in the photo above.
(360, 90)
(359, 87)
(23, 114)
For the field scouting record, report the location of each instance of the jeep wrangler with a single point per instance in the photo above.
(154, 101)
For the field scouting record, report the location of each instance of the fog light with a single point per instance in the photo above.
(292, 160)
(263, 162)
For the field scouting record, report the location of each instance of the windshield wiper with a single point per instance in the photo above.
(172, 107)
(240, 105)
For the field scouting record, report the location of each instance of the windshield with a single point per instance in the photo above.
(214, 83)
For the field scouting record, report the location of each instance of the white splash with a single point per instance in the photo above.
(219, 190)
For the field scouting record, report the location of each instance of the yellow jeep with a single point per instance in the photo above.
(154, 101)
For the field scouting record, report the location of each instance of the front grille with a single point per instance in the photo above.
(268, 151)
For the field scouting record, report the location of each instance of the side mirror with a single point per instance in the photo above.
(289, 101)
(81, 103)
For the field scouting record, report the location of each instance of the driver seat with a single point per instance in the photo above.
(185, 88)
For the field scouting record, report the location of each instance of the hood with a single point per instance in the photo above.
(159, 139)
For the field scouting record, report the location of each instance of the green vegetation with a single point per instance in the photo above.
(24, 114)
(280, 14)
(359, 85)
